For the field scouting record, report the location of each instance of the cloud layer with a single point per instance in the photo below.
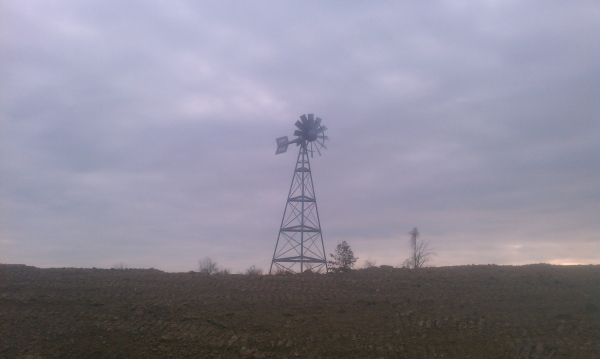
(145, 133)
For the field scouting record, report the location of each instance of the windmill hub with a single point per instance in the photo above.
(311, 135)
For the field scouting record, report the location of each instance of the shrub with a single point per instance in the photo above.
(207, 266)
(223, 271)
(343, 259)
(254, 271)
(370, 263)
(120, 266)
(283, 271)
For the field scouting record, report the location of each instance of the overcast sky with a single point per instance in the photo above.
(143, 132)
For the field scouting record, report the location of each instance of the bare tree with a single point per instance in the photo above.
(207, 266)
(282, 271)
(343, 259)
(254, 271)
(223, 271)
(421, 251)
(120, 266)
(370, 263)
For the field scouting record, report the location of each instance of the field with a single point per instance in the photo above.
(533, 311)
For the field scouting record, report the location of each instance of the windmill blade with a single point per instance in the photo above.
(298, 133)
(314, 126)
(299, 125)
(322, 129)
(318, 121)
(304, 119)
(323, 137)
(311, 117)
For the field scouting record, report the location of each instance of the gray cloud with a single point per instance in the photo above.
(144, 133)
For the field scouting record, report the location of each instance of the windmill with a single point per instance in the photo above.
(300, 243)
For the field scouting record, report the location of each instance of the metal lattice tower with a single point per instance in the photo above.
(300, 244)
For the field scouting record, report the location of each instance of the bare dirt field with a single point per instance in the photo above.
(533, 311)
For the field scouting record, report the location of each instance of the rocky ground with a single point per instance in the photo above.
(534, 311)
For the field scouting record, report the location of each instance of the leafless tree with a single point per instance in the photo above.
(120, 266)
(223, 271)
(207, 266)
(343, 259)
(282, 271)
(254, 271)
(421, 251)
(370, 263)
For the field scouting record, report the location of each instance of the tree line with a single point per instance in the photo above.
(342, 260)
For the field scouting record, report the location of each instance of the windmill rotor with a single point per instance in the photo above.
(310, 134)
